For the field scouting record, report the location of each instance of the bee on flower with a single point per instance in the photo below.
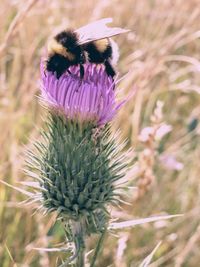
(85, 54)
(90, 43)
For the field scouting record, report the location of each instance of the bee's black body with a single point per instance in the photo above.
(58, 64)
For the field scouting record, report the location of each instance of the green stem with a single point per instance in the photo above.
(78, 237)
(81, 258)
(98, 248)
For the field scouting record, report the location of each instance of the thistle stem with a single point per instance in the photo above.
(98, 248)
(80, 258)
(79, 239)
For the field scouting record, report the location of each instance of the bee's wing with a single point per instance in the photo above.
(97, 30)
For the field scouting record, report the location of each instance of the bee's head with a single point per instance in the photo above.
(66, 44)
(68, 39)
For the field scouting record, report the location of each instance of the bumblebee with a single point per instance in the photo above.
(76, 47)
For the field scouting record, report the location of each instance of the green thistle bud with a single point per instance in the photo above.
(77, 171)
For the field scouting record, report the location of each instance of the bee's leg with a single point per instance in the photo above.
(82, 71)
(69, 71)
(81, 74)
(58, 74)
(109, 69)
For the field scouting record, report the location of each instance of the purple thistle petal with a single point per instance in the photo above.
(90, 99)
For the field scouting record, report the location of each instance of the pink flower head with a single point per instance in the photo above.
(89, 99)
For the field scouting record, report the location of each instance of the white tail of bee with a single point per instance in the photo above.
(115, 52)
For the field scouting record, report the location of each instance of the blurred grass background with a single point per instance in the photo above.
(161, 56)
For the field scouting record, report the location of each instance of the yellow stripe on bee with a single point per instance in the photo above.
(102, 44)
(54, 47)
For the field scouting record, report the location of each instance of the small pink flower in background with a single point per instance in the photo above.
(162, 130)
(146, 134)
(170, 162)
(90, 99)
(156, 132)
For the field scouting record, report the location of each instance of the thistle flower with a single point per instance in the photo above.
(90, 99)
(78, 162)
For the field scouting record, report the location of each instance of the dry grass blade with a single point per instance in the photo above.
(53, 249)
(133, 223)
(148, 259)
(15, 23)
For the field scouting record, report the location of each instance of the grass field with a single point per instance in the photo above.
(160, 57)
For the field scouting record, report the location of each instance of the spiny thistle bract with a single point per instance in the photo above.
(78, 162)
(77, 170)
